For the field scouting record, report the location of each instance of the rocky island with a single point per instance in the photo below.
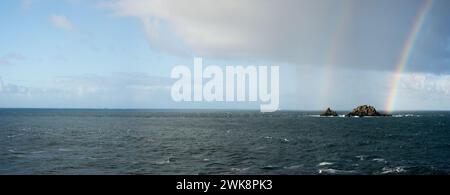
(329, 112)
(360, 111)
(365, 110)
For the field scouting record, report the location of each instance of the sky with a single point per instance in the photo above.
(394, 55)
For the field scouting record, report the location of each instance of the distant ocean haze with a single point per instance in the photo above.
(235, 83)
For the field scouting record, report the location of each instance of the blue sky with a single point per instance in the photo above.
(119, 53)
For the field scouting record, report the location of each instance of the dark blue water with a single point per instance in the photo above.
(39, 141)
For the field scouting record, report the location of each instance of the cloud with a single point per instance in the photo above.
(26, 4)
(94, 84)
(125, 90)
(114, 90)
(12, 88)
(117, 80)
(115, 83)
(62, 22)
(427, 83)
(360, 34)
(9, 58)
(1, 85)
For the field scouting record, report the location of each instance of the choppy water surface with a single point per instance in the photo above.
(39, 141)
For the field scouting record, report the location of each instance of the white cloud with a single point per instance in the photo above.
(350, 33)
(114, 90)
(427, 83)
(210, 27)
(13, 88)
(61, 21)
(115, 83)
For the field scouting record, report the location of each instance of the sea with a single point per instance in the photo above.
(230, 142)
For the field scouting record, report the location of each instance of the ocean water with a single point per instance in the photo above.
(59, 141)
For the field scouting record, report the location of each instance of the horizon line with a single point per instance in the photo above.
(205, 109)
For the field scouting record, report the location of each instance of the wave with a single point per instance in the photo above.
(318, 115)
(215, 164)
(388, 170)
(12, 151)
(17, 135)
(325, 164)
(271, 167)
(415, 170)
(293, 167)
(361, 157)
(64, 150)
(240, 169)
(335, 171)
(166, 161)
(37, 152)
(16, 152)
(405, 115)
(162, 162)
(96, 158)
(381, 160)
(32, 152)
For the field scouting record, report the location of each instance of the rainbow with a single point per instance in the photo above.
(406, 53)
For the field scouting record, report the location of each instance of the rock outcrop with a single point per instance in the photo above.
(365, 110)
(328, 112)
